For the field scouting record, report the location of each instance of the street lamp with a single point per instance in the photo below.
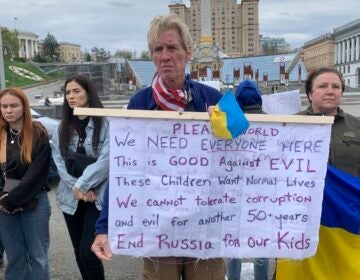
(58, 70)
(12, 71)
(2, 69)
(15, 19)
(227, 77)
(12, 56)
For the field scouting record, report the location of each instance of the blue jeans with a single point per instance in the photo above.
(261, 268)
(25, 236)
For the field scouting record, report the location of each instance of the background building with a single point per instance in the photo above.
(28, 44)
(271, 45)
(347, 52)
(234, 27)
(319, 52)
(69, 52)
(261, 66)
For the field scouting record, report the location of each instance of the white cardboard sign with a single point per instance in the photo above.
(176, 190)
(285, 103)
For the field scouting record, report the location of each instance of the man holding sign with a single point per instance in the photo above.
(170, 46)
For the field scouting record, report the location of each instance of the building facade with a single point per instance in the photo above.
(69, 52)
(319, 52)
(234, 27)
(28, 44)
(279, 44)
(347, 52)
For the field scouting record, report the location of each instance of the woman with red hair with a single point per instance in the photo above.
(25, 209)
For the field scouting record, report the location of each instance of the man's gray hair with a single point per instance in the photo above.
(160, 24)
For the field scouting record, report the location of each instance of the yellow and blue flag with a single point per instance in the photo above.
(228, 120)
(338, 253)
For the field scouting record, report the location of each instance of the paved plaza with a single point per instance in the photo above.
(63, 265)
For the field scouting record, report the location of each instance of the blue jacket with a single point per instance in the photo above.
(95, 175)
(202, 96)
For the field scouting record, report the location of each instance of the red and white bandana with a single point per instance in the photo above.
(168, 99)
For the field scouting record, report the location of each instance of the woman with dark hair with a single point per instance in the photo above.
(80, 194)
(24, 209)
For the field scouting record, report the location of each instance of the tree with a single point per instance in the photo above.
(39, 58)
(10, 43)
(127, 54)
(51, 47)
(144, 55)
(87, 57)
(100, 55)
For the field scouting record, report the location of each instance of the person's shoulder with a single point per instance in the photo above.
(305, 112)
(38, 126)
(207, 91)
(351, 118)
(105, 121)
(206, 88)
(40, 130)
(141, 98)
(142, 93)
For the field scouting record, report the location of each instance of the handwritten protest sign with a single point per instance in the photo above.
(175, 190)
(287, 102)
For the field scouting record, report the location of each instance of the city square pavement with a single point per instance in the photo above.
(63, 264)
(62, 261)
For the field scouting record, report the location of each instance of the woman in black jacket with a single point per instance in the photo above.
(25, 209)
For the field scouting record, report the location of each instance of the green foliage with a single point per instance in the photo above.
(100, 55)
(12, 79)
(87, 57)
(127, 54)
(10, 43)
(51, 47)
(144, 55)
(39, 58)
(21, 59)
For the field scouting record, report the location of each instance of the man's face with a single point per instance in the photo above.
(170, 58)
(325, 93)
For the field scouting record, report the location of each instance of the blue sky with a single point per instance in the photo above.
(122, 24)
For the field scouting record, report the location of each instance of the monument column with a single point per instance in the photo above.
(352, 58)
(357, 48)
(205, 18)
(206, 54)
